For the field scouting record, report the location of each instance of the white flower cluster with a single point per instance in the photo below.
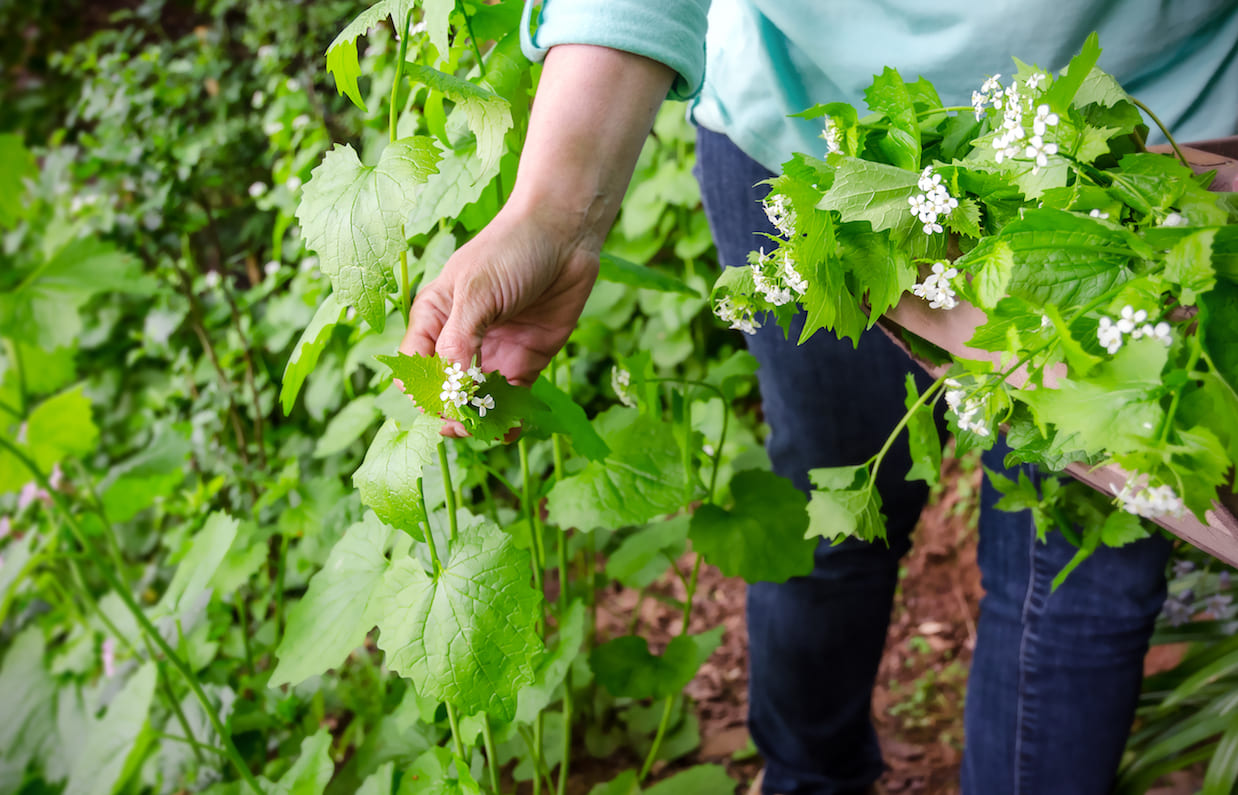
(1134, 323)
(936, 287)
(831, 134)
(620, 381)
(781, 285)
(1015, 102)
(741, 318)
(456, 393)
(966, 408)
(934, 203)
(1150, 502)
(780, 213)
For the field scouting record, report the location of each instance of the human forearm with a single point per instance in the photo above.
(593, 110)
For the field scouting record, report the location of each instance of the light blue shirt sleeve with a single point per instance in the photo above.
(671, 32)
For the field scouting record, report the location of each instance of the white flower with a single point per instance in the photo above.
(1034, 80)
(308, 264)
(152, 221)
(969, 412)
(740, 318)
(257, 99)
(211, 280)
(1045, 118)
(936, 288)
(978, 101)
(456, 397)
(1130, 318)
(992, 84)
(266, 51)
(483, 404)
(6, 526)
(108, 653)
(934, 203)
(55, 478)
(256, 189)
(780, 213)
(273, 128)
(1045, 322)
(1151, 502)
(477, 375)
(1109, 335)
(708, 449)
(929, 180)
(1174, 219)
(1097, 213)
(620, 380)
(271, 268)
(292, 85)
(833, 143)
(1039, 150)
(293, 183)
(1161, 332)
(300, 122)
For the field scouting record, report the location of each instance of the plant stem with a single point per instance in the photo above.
(445, 466)
(143, 622)
(455, 731)
(392, 119)
(468, 26)
(663, 724)
(1164, 130)
(438, 567)
(23, 399)
(492, 758)
(281, 564)
(1168, 421)
(920, 401)
(539, 563)
(556, 442)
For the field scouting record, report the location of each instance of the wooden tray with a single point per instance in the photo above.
(951, 331)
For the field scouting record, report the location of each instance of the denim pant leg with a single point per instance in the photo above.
(1056, 674)
(815, 642)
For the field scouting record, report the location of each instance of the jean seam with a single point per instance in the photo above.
(1022, 708)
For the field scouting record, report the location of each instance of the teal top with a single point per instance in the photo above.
(746, 65)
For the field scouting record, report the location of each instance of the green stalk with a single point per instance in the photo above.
(445, 466)
(492, 757)
(393, 116)
(280, 565)
(468, 26)
(455, 731)
(166, 687)
(539, 562)
(147, 627)
(1164, 130)
(556, 442)
(438, 567)
(1168, 421)
(885, 448)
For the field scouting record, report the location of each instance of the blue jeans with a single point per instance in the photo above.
(1055, 676)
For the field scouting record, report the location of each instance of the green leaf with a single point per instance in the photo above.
(965, 219)
(1121, 528)
(761, 538)
(347, 426)
(151, 474)
(923, 439)
(879, 270)
(699, 780)
(466, 634)
(342, 54)
(1222, 769)
(112, 740)
(307, 350)
(1189, 265)
(845, 503)
(873, 192)
(640, 558)
(459, 182)
(991, 264)
(206, 550)
(19, 164)
(1101, 88)
(626, 668)
(560, 414)
(643, 477)
(1065, 259)
(888, 95)
(389, 478)
(340, 607)
(353, 217)
(1116, 410)
(623, 784)
(620, 271)
(1079, 360)
(1221, 331)
(1202, 466)
(378, 782)
(312, 770)
(423, 378)
(27, 696)
(554, 667)
(61, 427)
(489, 115)
(1007, 323)
(1062, 92)
(431, 774)
(43, 308)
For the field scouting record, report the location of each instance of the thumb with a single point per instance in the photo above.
(461, 336)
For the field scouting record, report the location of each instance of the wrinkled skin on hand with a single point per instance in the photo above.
(511, 296)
